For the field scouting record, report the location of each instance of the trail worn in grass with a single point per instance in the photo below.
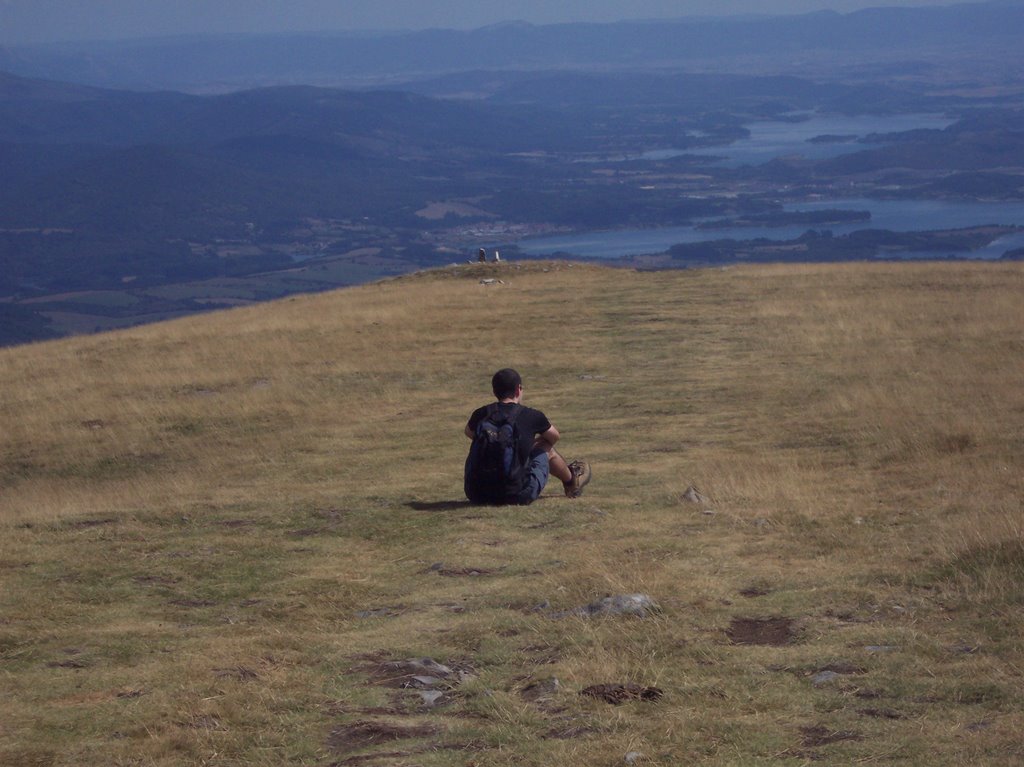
(240, 538)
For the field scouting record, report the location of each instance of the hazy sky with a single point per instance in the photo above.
(23, 21)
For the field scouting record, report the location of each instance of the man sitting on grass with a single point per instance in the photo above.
(513, 450)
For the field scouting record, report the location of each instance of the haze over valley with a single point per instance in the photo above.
(296, 163)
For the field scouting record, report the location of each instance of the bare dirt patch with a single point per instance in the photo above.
(761, 631)
(621, 693)
(358, 735)
(464, 572)
(372, 758)
(881, 713)
(241, 673)
(959, 442)
(83, 524)
(156, 580)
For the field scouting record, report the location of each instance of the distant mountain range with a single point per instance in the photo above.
(125, 191)
(219, 63)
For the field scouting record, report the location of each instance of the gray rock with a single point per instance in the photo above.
(427, 682)
(431, 697)
(693, 495)
(543, 688)
(380, 612)
(633, 757)
(432, 667)
(425, 667)
(823, 678)
(639, 605)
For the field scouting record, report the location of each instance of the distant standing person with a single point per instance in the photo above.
(513, 451)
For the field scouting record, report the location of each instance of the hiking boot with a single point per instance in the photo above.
(580, 477)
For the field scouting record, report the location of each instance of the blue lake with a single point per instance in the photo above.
(771, 139)
(896, 215)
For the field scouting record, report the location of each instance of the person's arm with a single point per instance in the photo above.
(547, 439)
(474, 419)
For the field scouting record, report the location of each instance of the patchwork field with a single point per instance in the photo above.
(239, 538)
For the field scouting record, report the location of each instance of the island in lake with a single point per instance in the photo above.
(827, 217)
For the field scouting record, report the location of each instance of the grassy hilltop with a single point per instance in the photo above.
(221, 537)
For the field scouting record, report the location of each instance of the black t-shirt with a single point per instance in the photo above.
(529, 423)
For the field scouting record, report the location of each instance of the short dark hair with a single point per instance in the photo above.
(504, 383)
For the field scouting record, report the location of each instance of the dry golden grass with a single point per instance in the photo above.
(213, 530)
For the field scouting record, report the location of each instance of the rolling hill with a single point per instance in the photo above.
(241, 537)
(908, 40)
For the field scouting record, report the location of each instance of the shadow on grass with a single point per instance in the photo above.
(465, 504)
(438, 505)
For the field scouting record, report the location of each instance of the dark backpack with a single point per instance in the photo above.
(494, 471)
